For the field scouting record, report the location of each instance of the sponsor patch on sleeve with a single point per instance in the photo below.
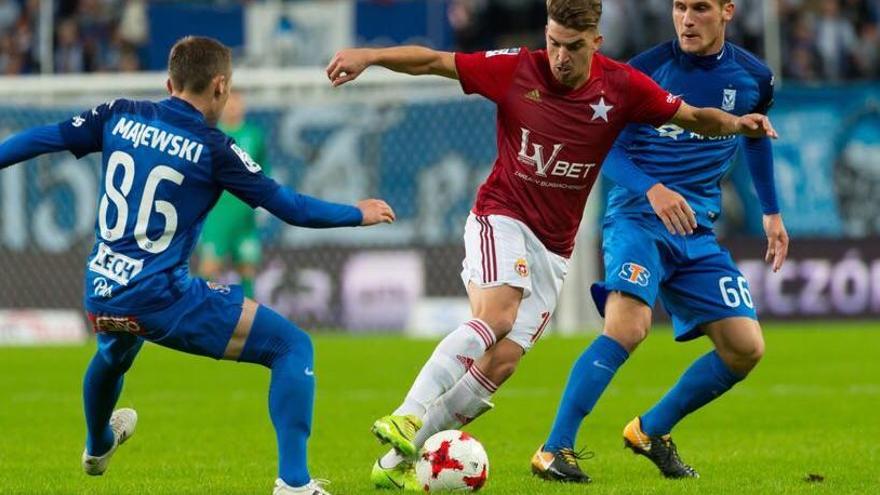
(505, 51)
(246, 159)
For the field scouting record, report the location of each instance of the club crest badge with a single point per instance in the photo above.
(521, 267)
(728, 102)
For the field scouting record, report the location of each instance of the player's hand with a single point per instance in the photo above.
(777, 241)
(347, 65)
(675, 212)
(375, 211)
(755, 125)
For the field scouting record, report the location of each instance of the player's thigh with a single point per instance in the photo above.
(496, 306)
(706, 290)
(547, 272)
(495, 269)
(635, 253)
(201, 322)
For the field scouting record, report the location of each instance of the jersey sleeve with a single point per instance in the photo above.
(239, 174)
(84, 133)
(649, 103)
(487, 73)
(767, 88)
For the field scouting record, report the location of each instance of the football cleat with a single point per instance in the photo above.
(560, 466)
(123, 423)
(399, 431)
(400, 477)
(314, 487)
(660, 450)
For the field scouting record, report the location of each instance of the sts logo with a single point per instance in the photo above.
(636, 274)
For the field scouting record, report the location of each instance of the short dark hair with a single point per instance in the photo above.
(580, 15)
(195, 61)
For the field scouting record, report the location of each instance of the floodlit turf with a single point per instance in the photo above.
(810, 408)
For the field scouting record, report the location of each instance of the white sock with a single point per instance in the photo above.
(465, 402)
(452, 357)
(391, 459)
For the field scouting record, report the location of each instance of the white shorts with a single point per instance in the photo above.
(500, 250)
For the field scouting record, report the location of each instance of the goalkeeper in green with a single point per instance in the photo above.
(230, 234)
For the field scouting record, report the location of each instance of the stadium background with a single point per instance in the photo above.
(805, 415)
(423, 147)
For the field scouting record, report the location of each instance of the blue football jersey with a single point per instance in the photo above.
(693, 165)
(163, 168)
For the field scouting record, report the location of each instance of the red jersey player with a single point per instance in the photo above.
(559, 112)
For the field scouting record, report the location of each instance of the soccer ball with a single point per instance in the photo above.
(452, 460)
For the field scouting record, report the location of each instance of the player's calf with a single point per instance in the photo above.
(123, 423)
(659, 450)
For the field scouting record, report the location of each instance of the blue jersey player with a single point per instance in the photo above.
(164, 165)
(695, 278)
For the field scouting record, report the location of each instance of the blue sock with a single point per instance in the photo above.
(591, 374)
(103, 384)
(700, 384)
(279, 345)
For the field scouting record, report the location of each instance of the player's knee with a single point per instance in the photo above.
(751, 352)
(119, 361)
(497, 307)
(745, 354)
(627, 320)
(273, 337)
(500, 324)
(119, 351)
(298, 342)
(628, 333)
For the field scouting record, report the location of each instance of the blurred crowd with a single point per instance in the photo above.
(822, 40)
(88, 35)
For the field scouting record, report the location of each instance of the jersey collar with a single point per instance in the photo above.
(184, 107)
(705, 61)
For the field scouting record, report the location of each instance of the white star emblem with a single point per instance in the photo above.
(601, 110)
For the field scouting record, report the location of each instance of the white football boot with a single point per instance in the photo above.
(315, 487)
(123, 423)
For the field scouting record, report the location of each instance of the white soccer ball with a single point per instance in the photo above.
(452, 460)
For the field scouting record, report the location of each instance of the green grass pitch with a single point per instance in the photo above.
(810, 408)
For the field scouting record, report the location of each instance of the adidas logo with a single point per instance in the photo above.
(465, 361)
(534, 95)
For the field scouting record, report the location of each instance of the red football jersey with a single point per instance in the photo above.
(552, 139)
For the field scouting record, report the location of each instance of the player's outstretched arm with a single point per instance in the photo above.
(305, 211)
(31, 143)
(713, 122)
(235, 171)
(348, 64)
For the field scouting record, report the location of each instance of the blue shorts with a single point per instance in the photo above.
(200, 322)
(696, 278)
